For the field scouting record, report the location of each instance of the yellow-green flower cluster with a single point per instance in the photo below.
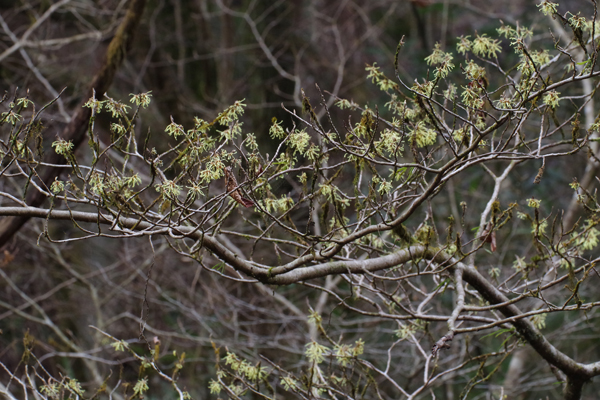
(214, 169)
(289, 383)
(379, 78)
(333, 194)
(234, 130)
(406, 330)
(535, 59)
(587, 239)
(285, 161)
(519, 264)
(95, 104)
(316, 352)
(464, 44)
(344, 104)
(11, 117)
(169, 189)
(517, 35)
(400, 108)
(534, 203)
(450, 92)
(471, 97)
(552, 98)
(142, 99)
(140, 388)
(23, 101)
(200, 128)
(51, 390)
(443, 61)
(116, 108)
(384, 186)
(547, 7)
(276, 131)
(174, 129)
(391, 142)
(299, 141)
(504, 101)
(63, 147)
(422, 136)
(74, 386)
(242, 366)
(459, 134)
(367, 123)
(120, 345)
(539, 320)
(57, 186)
(231, 113)
(577, 22)
(425, 88)
(214, 387)
(250, 142)
(345, 352)
(313, 153)
(278, 205)
(118, 128)
(473, 71)
(484, 46)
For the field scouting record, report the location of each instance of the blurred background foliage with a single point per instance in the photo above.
(197, 57)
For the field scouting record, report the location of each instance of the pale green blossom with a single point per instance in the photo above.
(141, 99)
(552, 98)
(316, 352)
(63, 147)
(539, 320)
(547, 7)
(484, 46)
(422, 136)
(141, 387)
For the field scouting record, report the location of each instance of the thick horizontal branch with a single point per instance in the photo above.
(470, 275)
(124, 224)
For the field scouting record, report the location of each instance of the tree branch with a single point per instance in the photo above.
(76, 129)
(470, 275)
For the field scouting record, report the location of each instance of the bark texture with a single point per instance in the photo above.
(77, 127)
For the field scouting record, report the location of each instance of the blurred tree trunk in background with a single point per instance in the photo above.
(365, 268)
